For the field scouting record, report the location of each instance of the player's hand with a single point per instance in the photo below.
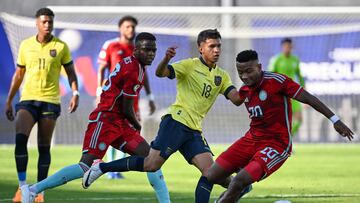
(9, 112)
(343, 130)
(74, 103)
(170, 52)
(152, 107)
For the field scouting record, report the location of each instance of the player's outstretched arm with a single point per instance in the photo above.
(234, 97)
(340, 127)
(70, 72)
(128, 109)
(162, 70)
(14, 87)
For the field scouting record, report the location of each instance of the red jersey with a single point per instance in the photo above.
(112, 52)
(125, 81)
(269, 105)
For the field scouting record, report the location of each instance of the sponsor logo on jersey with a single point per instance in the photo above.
(217, 80)
(120, 52)
(53, 52)
(262, 95)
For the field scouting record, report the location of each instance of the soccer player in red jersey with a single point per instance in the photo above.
(267, 144)
(113, 122)
(112, 52)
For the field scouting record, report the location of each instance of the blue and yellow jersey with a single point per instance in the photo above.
(197, 89)
(43, 64)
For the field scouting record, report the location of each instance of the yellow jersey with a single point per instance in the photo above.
(197, 89)
(43, 65)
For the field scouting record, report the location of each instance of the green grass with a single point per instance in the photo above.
(315, 173)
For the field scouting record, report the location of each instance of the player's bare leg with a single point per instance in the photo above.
(216, 174)
(236, 187)
(24, 122)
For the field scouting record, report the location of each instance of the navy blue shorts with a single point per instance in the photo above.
(39, 109)
(173, 136)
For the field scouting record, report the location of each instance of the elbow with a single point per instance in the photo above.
(159, 74)
(237, 103)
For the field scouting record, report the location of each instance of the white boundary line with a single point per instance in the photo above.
(183, 198)
(201, 10)
(243, 33)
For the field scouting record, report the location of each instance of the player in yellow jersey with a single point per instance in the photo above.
(199, 82)
(39, 63)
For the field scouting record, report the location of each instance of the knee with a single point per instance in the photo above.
(241, 181)
(211, 176)
(151, 166)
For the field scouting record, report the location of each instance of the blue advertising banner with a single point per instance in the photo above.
(7, 65)
(85, 46)
(330, 63)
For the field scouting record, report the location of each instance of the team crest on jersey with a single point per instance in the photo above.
(53, 52)
(136, 87)
(217, 80)
(120, 52)
(102, 146)
(262, 95)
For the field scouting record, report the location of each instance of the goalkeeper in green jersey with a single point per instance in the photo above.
(288, 64)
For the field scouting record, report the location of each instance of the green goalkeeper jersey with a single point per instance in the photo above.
(289, 66)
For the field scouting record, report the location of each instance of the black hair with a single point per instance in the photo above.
(247, 55)
(286, 40)
(144, 36)
(208, 34)
(127, 18)
(44, 12)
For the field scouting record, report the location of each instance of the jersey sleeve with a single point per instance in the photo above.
(104, 56)
(21, 61)
(243, 92)
(227, 84)
(131, 84)
(182, 68)
(291, 88)
(66, 58)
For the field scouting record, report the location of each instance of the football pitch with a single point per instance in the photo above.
(315, 173)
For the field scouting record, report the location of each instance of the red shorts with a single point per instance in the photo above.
(259, 157)
(108, 129)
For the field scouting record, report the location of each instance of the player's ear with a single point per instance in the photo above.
(200, 49)
(260, 66)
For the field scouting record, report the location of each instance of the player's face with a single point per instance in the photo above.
(145, 52)
(210, 50)
(45, 24)
(249, 72)
(286, 48)
(127, 29)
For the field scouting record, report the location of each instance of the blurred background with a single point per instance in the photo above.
(326, 39)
